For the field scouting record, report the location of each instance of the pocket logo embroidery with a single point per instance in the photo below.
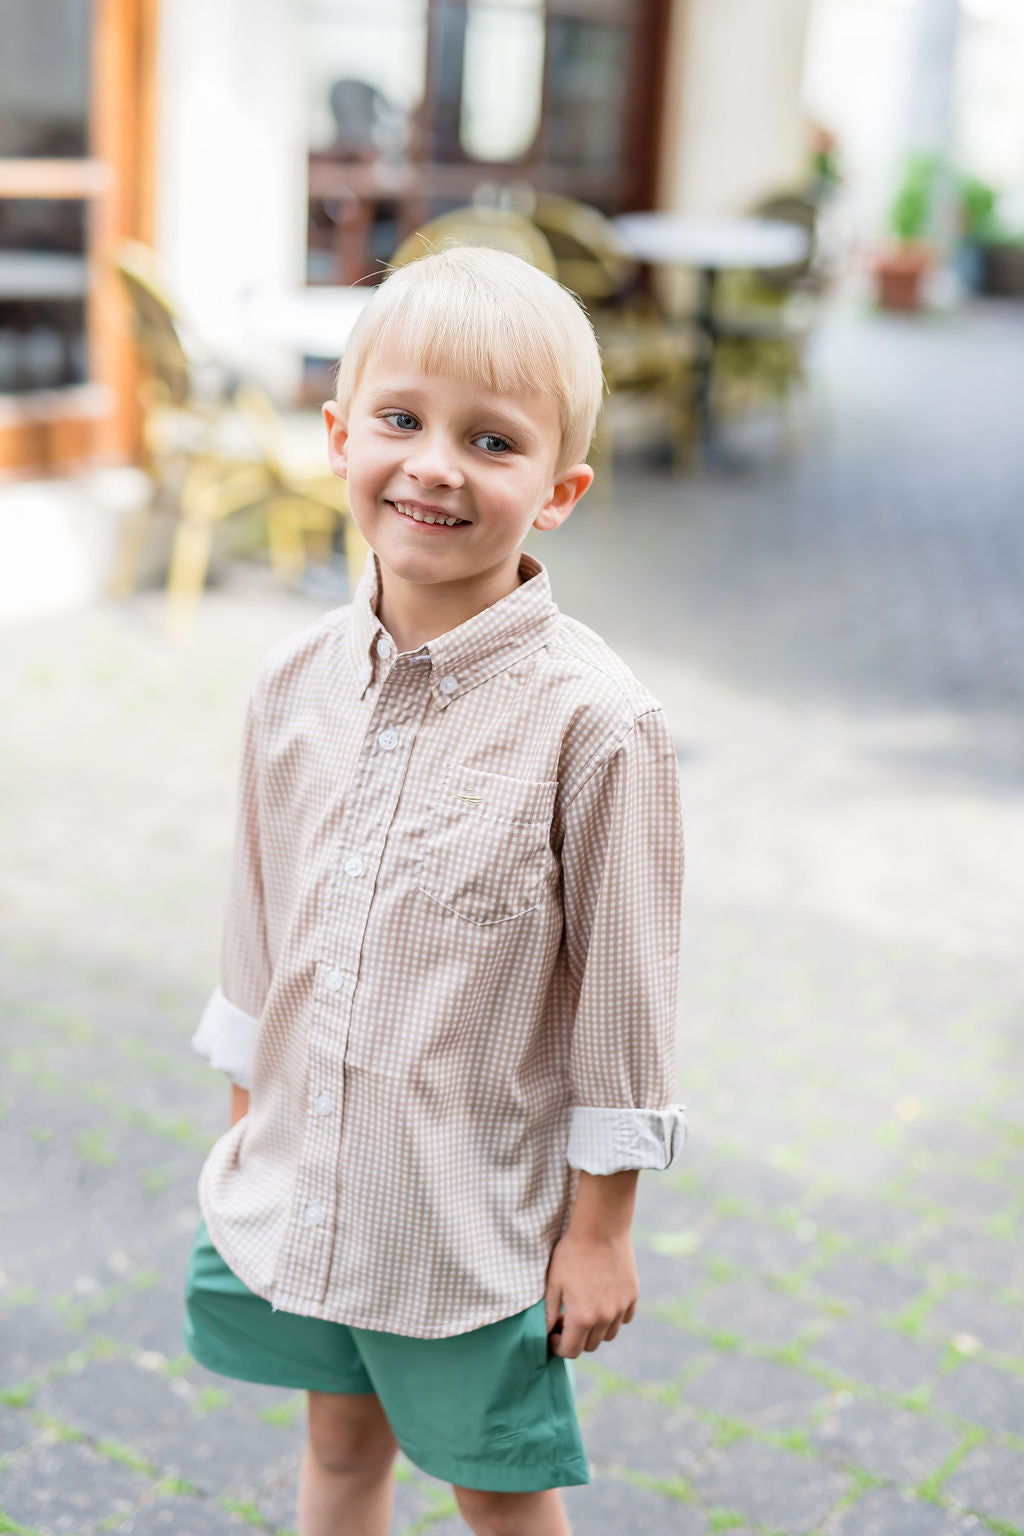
(469, 798)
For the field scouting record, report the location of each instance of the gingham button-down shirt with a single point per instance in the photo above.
(449, 965)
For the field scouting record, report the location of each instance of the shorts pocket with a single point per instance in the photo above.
(487, 850)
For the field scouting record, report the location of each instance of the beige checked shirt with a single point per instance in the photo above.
(449, 965)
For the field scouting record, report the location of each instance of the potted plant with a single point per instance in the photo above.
(901, 266)
(978, 229)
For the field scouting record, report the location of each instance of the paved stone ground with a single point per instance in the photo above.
(831, 1338)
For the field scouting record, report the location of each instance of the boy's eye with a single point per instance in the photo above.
(494, 443)
(403, 420)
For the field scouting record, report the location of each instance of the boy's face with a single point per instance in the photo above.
(445, 478)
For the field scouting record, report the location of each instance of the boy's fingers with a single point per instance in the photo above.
(552, 1306)
(570, 1342)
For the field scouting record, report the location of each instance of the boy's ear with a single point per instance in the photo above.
(571, 484)
(337, 439)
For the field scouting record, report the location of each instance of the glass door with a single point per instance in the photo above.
(74, 78)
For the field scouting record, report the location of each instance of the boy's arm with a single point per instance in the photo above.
(592, 1275)
(227, 1031)
(622, 859)
(239, 1104)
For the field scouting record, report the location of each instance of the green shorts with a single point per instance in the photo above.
(490, 1409)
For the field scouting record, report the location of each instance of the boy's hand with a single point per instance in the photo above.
(592, 1279)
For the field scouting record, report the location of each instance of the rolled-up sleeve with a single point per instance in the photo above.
(227, 1031)
(622, 863)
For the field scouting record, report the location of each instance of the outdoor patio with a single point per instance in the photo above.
(831, 1331)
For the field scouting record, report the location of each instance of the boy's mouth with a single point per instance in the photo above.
(432, 516)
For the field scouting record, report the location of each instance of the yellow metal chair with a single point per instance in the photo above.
(495, 228)
(764, 320)
(217, 449)
(641, 352)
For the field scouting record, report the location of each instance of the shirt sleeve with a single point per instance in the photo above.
(622, 864)
(227, 1031)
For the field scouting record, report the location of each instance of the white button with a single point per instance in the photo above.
(354, 865)
(448, 684)
(313, 1215)
(364, 673)
(334, 980)
(383, 648)
(324, 1104)
(388, 740)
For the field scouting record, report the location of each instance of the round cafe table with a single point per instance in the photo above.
(710, 246)
(312, 322)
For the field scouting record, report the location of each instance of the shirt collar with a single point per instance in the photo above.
(489, 642)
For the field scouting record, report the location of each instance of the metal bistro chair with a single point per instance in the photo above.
(764, 320)
(495, 228)
(641, 352)
(218, 450)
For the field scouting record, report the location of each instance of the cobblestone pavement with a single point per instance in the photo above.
(831, 1337)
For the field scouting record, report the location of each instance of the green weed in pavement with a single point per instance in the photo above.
(154, 1180)
(179, 1366)
(285, 1413)
(720, 1519)
(20, 1296)
(9, 1527)
(931, 1487)
(248, 1512)
(125, 1457)
(77, 1313)
(676, 1488)
(209, 1400)
(94, 1147)
(168, 1487)
(728, 1431)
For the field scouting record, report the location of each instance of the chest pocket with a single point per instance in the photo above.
(487, 853)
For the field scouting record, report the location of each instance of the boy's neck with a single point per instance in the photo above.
(414, 613)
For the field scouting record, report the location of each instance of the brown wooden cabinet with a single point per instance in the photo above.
(556, 95)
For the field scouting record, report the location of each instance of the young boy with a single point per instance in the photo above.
(449, 966)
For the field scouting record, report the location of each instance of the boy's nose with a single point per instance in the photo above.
(433, 460)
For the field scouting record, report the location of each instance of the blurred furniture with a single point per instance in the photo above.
(640, 351)
(591, 258)
(764, 318)
(312, 322)
(711, 246)
(495, 228)
(216, 446)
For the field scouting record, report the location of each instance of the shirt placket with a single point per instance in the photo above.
(370, 808)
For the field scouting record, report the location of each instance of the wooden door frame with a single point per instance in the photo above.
(59, 429)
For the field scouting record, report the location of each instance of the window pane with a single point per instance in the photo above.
(365, 72)
(42, 294)
(587, 92)
(44, 78)
(502, 78)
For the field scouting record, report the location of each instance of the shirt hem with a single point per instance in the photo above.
(306, 1306)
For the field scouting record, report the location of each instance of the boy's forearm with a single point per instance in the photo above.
(604, 1205)
(239, 1103)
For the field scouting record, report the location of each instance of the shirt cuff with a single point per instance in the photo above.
(612, 1140)
(226, 1037)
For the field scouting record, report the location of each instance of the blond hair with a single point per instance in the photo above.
(490, 317)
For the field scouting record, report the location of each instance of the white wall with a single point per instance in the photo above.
(231, 164)
(734, 128)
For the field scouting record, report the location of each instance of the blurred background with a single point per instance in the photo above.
(798, 226)
(262, 149)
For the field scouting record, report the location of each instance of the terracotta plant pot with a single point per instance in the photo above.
(899, 272)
